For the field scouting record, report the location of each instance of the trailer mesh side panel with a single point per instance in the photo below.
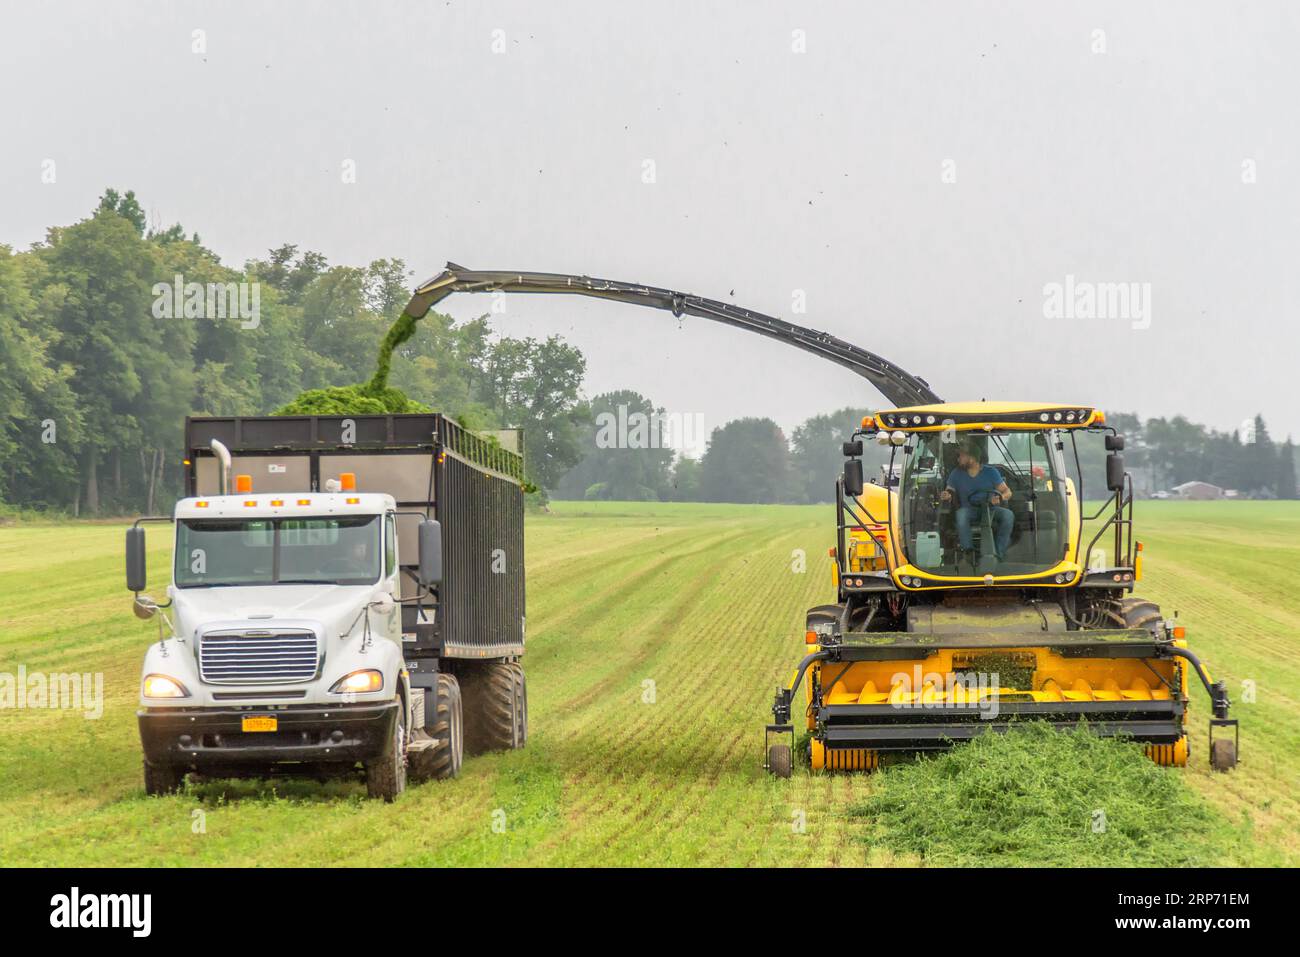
(482, 599)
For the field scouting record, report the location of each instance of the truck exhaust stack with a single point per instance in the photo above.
(223, 456)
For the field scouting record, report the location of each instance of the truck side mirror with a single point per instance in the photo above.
(135, 564)
(430, 552)
(853, 477)
(1115, 472)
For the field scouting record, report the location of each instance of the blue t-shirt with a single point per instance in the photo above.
(987, 479)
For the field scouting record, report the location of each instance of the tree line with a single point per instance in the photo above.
(626, 456)
(112, 332)
(108, 339)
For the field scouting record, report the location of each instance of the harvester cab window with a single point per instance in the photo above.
(1022, 535)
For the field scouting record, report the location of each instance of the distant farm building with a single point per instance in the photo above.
(1197, 491)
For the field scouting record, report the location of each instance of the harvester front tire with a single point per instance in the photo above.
(778, 760)
(446, 727)
(1223, 755)
(818, 616)
(493, 707)
(1134, 612)
(161, 779)
(386, 777)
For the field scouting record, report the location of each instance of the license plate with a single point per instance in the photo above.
(260, 722)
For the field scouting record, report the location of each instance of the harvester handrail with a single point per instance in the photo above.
(1123, 545)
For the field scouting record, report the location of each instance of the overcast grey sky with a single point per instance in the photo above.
(920, 172)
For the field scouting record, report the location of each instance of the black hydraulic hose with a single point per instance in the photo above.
(1216, 690)
(824, 655)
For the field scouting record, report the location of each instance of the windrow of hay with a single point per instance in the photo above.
(1036, 795)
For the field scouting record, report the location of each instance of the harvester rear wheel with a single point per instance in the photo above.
(778, 760)
(494, 719)
(1223, 755)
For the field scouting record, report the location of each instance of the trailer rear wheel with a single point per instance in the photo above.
(493, 706)
(160, 779)
(446, 728)
(521, 701)
(386, 778)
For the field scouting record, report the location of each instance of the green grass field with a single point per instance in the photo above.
(703, 605)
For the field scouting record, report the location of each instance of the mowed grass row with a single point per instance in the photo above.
(1229, 570)
(657, 635)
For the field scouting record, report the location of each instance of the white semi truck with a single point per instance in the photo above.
(346, 598)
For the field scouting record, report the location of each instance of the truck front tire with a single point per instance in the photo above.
(386, 777)
(161, 779)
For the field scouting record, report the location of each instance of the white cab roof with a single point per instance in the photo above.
(285, 505)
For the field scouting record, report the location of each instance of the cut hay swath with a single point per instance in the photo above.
(1038, 795)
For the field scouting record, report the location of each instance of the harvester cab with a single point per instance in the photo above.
(981, 590)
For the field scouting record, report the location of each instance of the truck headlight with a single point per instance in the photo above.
(160, 686)
(359, 682)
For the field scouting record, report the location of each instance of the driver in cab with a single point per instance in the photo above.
(974, 486)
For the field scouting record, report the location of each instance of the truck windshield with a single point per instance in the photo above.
(330, 551)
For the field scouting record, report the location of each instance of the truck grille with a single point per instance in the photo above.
(258, 657)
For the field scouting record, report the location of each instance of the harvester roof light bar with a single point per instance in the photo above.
(988, 419)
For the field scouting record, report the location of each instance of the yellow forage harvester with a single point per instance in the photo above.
(974, 590)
